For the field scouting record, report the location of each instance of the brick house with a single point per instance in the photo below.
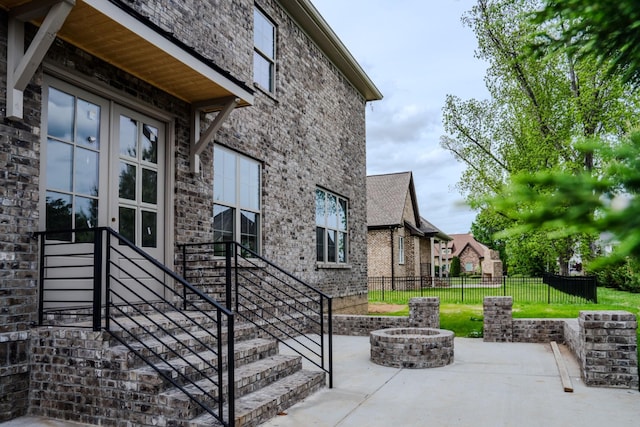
(401, 243)
(176, 122)
(475, 258)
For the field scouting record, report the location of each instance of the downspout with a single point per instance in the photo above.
(393, 272)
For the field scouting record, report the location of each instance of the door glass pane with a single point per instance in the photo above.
(58, 215)
(128, 137)
(149, 229)
(319, 244)
(149, 144)
(149, 186)
(86, 216)
(60, 115)
(127, 223)
(86, 172)
(88, 132)
(331, 246)
(127, 181)
(59, 161)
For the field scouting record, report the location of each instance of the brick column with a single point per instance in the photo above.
(609, 354)
(424, 312)
(498, 322)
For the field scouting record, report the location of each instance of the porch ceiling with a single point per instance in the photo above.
(116, 36)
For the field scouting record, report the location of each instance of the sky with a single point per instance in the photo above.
(416, 52)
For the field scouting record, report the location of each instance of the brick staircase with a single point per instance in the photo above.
(266, 382)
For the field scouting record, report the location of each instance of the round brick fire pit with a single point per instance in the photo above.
(412, 347)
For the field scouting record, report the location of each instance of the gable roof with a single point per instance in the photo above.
(386, 197)
(461, 241)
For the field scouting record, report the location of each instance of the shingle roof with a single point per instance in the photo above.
(460, 241)
(431, 230)
(386, 196)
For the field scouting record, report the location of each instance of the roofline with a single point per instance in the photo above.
(310, 20)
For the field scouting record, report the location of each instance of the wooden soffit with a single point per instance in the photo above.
(108, 31)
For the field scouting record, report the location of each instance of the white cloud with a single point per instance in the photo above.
(416, 52)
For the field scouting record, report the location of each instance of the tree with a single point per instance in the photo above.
(606, 203)
(455, 267)
(539, 106)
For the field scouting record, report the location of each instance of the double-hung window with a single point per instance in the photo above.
(331, 227)
(264, 51)
(236, 193)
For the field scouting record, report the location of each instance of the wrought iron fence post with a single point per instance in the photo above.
(42, 242)
(382, 288)
(504, 286)
(330, 326)
(227, 251)
(97, 279)
(184, 274)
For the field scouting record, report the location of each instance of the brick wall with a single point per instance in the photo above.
(604, 342)
(309, 133)
(379, 253)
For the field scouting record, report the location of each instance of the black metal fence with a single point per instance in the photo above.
(550, 289)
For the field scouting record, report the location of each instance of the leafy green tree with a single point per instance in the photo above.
(605, 203)
(455, 267)
(539, 106)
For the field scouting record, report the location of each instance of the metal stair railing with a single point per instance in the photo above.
(281, 305)
(129, 294)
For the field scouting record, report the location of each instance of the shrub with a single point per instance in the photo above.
(455, 267)
(624, 275)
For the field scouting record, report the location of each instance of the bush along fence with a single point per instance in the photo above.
(550, 289)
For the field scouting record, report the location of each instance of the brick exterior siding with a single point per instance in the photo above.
(309, 133)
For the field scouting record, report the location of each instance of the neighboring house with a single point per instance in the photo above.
(475, 258)
(400, 242)
(177, 122)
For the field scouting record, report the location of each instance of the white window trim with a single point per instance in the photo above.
(334, 264)
(400, 250)
(237, 207)
(272, 61)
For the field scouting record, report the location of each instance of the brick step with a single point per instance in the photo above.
(262, 405)
(193, 367)
(248, 378)
(160, 324)
(182, 344)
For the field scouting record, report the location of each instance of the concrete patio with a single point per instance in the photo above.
(488, 384)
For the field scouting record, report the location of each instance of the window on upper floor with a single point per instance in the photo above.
(236, 194)
(331, 227)
(264, 50)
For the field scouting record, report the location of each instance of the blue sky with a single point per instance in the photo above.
(416, 52)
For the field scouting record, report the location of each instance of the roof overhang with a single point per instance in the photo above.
(111, 31)
(310, 20)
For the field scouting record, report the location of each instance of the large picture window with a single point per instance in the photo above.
(236, 193)
(331, 228)
(264, 56)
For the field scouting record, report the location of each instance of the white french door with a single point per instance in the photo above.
(101, 165)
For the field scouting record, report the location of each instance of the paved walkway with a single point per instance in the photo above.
(489, 384)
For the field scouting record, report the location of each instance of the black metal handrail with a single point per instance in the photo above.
(137, 298)
(278, 303)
